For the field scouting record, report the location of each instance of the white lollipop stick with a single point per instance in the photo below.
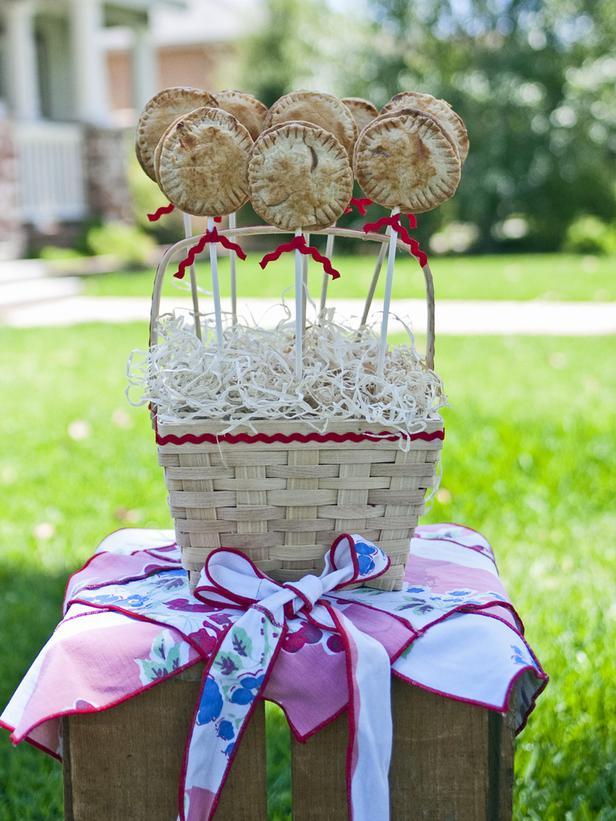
(299, 325)
(391, 258)
(305, 284)
(329, 250)
(374, 282)
(232, 225)
(215, 285)
(193, 277)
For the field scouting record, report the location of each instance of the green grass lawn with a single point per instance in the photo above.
(528, 276)
(528, 460)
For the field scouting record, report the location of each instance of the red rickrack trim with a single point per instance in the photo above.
(167, 209)
(394, 222)
(284, 438)
(209, 236)
(164, 209)
(299, 244)
(361, 203)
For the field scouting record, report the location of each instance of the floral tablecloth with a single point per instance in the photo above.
(130, 622)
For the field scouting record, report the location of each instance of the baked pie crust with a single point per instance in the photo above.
(159, 113)
(250, 112)
(363, 111)
(439, 109)
(324, 110)
(299, 177)
(203, 163)
(405, 160)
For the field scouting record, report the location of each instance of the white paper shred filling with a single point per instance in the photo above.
(186, 378)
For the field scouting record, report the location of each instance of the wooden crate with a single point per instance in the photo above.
(451, 762)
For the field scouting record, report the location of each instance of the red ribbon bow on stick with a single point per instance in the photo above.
(164, 209)
(209, 236)
(167, 209)
(299, 244)
(394, 222)
(361, 203)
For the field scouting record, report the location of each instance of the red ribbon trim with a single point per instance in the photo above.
(164, 209)
(299, 244)
(283, 438)
(360, 203)
(167, 209)
(209, 236)
(394, 222)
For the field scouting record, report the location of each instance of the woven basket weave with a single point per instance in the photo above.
(283, 494)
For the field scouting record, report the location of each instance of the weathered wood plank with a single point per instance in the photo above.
(450, 762)
(124, 763)
(318, 775)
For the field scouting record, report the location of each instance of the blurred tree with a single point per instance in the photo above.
(280, 56)
(535, 84)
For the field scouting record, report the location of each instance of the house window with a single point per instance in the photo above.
(54, 67)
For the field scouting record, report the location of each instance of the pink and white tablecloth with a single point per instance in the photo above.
(131, 622)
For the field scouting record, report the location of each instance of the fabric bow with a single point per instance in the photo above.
(394, 222)
(245, 659)
(209, 236)
(299, 244)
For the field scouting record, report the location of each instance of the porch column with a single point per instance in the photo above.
(89, 68)
(22, 70)
(145, 69)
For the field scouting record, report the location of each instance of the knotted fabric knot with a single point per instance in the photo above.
(308, 591)
(237, 675)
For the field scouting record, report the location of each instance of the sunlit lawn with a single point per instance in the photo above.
(537, 276)
(528, 460)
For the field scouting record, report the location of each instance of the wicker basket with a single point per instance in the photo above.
(282, 494)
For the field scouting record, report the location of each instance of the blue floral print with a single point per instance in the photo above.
(252, 682)
(518, 657)
(364, 557)
(225, 730)
(210, 706)
(134, 600)
(365, 549)
(242, 696)
(366, 565)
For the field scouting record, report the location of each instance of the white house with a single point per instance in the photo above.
(73, 74)
(196, 46)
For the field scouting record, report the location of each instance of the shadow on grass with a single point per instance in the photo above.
(30, 608)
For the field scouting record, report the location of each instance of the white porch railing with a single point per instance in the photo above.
(50, 169)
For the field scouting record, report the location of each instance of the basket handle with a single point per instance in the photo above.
(264, 230)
